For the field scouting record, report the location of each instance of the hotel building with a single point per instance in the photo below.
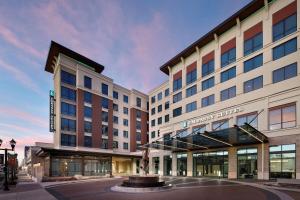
(230, 107)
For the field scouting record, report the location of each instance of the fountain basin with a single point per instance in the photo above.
(143, 181)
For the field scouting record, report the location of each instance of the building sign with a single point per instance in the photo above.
(215, 116)
(52, 115)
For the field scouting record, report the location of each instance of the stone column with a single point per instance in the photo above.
(232, 163)
(161, 165)
(174, 164)
(189, 163)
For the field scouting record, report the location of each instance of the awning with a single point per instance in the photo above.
(229, 137)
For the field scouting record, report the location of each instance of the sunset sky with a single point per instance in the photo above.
(131, 38)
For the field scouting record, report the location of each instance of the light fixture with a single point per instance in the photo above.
(12, 144)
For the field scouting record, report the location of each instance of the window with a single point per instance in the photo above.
(104, 89)
(138, 114)
(68, 125)
(177, 97)
(159, 120)
(153, 134)
(285, 49)
(138, 125)
(253, 44)
(167, 118)
(167, 105)
(68, 140)
(285, 27)
(104, 144)
(253, 84)
(219, 125)
(228, 74)
(138, 136)
(228, 93)
(177, 112)
(283, 161)
(282, 117)
(253, 63)
(153, 99)
(125, 98)
(159, 108)
(68, 109)
(152, 111)
(125, 134)
(250, 118)
(87, 127)
(87, 82)
(191, 76)
(209, 100)
(228, 57)
(104, 116)
(87, 97)
(67, 93)
(115, 95)
(115, 107)
(125, 145)
(191, 107)
(199, 129)
(104, 130)
(115, 120)
(138, 102)
(125, 122)
(208, 68)
(153, 122)
(87, 141)
(115, 132)
(159, 96)
(88, 112)
(105, 103)
(167, 92)
(285, 73)
(125, 110)
(191, 91)
(177, 84)
(115, 144)
(208, 83)
(68, 78)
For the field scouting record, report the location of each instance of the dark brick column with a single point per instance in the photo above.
(96, 121)
(132, 129)
(110, 124)
(144, 127)
(80, 118)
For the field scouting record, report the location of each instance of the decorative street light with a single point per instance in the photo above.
(12, 144)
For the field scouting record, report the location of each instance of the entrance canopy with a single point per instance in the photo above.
(234, 136)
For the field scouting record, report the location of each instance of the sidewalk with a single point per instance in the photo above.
(26, 189)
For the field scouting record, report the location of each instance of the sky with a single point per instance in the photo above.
(131, 38)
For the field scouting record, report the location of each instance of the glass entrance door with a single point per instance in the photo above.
(247, 163)
(155, 165)
(167, 165)
(182, 164)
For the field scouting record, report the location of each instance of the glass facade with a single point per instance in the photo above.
(167, 165)
(247, 163)
(155, 163)
(182, 164)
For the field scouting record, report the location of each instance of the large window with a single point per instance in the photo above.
(115, 107)
(68, 125)
(283, 161)
(177, 97)
(68, 78)
(167, 118)
(88, 112)
(105, 103)
(87, 97)
(167, 105)
(208, 83)
(191, 107)
(104, 116)
(87, 82)
(191, 76)
(115, 95)
(104, 130)
(104, 89)
(209, 100)
(208, 68)
(247, 163)
(67, 93)
(219, 125)
(138, 136)
(167, 92)
(177, 84)
(87, 141)
(285, 73)
(104, 144)
(125, 110)
(253, 44)
(228, 93)
(253, 84)
(125, 134)
(153, 122)
(285, 27)
(285, 49)
(115, 132)
(139, 114)
(177, 112)
(115, 119)
(182, 164)
(253, 63)
(125, 122)
(153, 111)
(153, 134)
(138, 102)
(87, 127)
(159, 120)
(228, 57)
(125, 98)
(250, 118)
(125, 145)
(159, 96)
(68, 109)
(68, 140)
(159, 108)
(191, 91)
(228, 74)
(282, 117)
(153, 99)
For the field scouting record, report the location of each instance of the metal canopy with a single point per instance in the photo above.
(233, 136)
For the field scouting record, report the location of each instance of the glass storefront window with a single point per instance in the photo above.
(247, 163)
(155, 163)
(182, 164)
(167, 165)
(66, 167)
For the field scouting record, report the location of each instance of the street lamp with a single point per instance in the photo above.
(12, 144)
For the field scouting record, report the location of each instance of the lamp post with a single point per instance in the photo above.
(12, 144)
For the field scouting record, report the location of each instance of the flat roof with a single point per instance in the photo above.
(56, 48)
(230, 22)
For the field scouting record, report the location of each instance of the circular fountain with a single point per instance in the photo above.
(143, 181)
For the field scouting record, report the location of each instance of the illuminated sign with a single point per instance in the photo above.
(52, 115)
(200, 120)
